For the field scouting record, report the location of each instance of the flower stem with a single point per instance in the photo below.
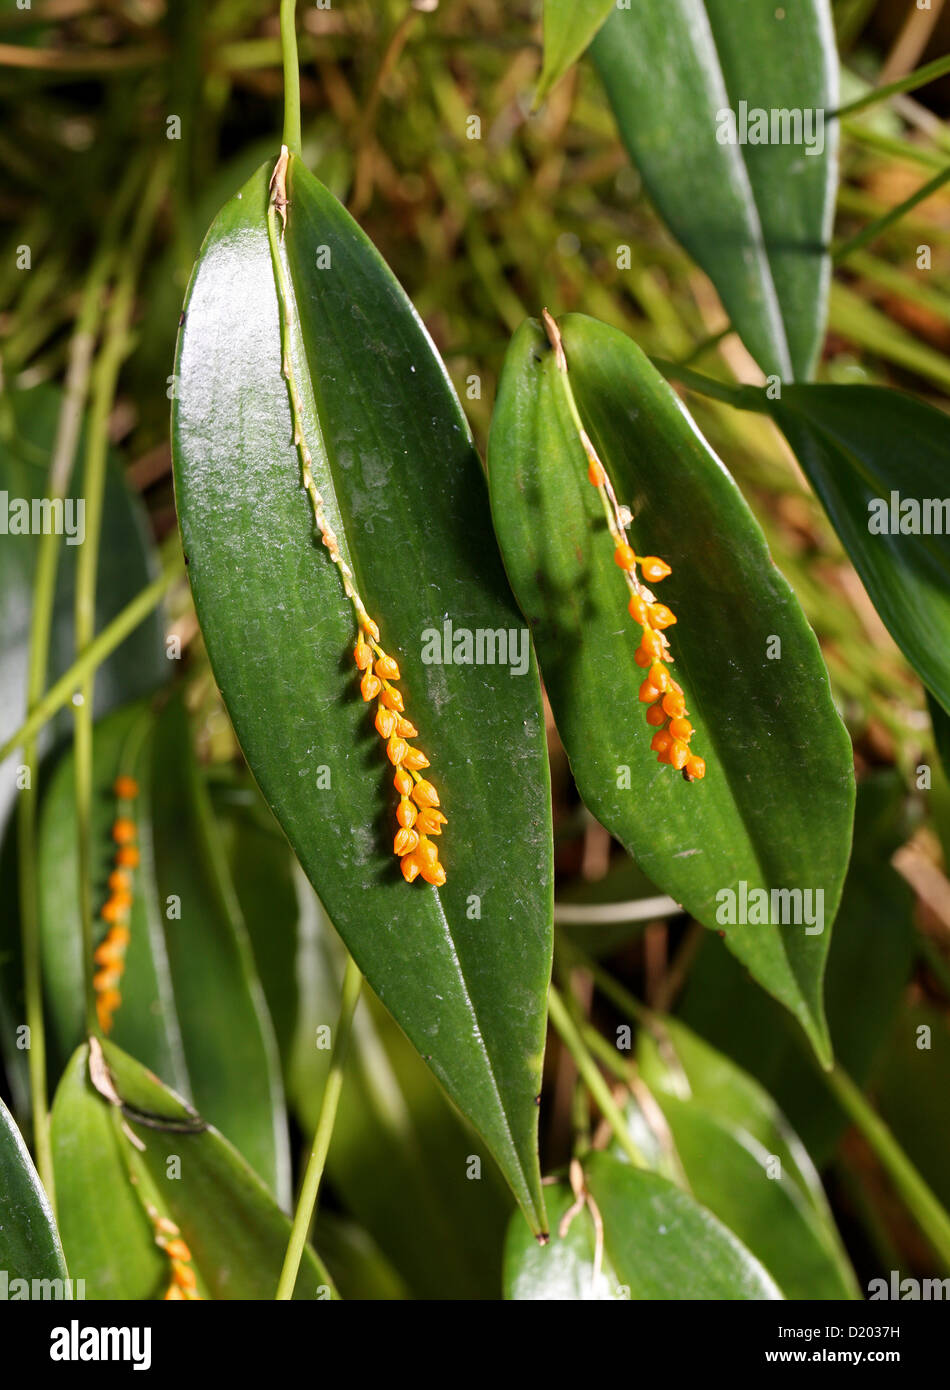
(288, 48)
(307, 1200)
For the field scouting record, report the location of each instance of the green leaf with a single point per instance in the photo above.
(774, 746)
(192, 1007)
(235, 1231)
(859, 445)
(658, 1244)
(569, 26)
(29, 1241)
(910, 1090)
(752, 1176)
(872, 953)
(463, 968)
(756, 217)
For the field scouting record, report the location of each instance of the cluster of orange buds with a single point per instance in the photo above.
(109, 955)
(418, 813)
(184, 1283)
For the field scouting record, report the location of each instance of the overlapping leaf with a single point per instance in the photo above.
(463, 968)
(758, 694)
(569, 26)
(29, 1241)
(756, 215)
(192, 1008)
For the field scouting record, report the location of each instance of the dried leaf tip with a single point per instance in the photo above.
(416, 814)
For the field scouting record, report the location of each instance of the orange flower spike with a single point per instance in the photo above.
(424, 794)
(415, 760)
(406, 841)
(396, 750)
(370, 686)
(387, 669)
(123, 831)
(406, 813)
(625, 556)
(125, 788)
(128, 857)
(410, 867)
(391, 698)
(386, 722)
(402, 782)
(654, 569)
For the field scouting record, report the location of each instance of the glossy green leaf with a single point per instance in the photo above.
(464, 968)
(880, 460)
(29, 1241)
(192, 1007)
(235, 1231)
(659, 1243)
(756, 216)
(127, 564)
(774, 746)
(569, 26)
(753, 1177)
(872, 953)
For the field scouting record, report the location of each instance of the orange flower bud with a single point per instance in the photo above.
(405, 729)
(110, 999)
(410, 867)
(681, 728)
(106, 978)
(425, 794)
(362, 654)
(104, 1013)
(434, 874)
(406, 841)
(183, 1275)
(643, 658)
(119, 935)
(674, 704)
(428, 854)
(396, 750)
(125, 788)
(392, 699)
(596, 474)
(119, 882)
(652, 642)
(385, 722)
(654, 569)
(113, 910)
(656, 716)
(128, 857)
(695, 767)
(430, 821)
(370, 627)
(402, 781)
(625, 557)
(107, 953)
(679, 753)
(648, 693)
(406, 812)
(661, 616)
(659, 676)
(416, 759)
(663, 756)
(370, 686)
(639, 610)
(178, 1250)
(123, 831)
(173, 1293)
(387, 669)
(660, 741)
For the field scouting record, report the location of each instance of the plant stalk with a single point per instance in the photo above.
(288, 49)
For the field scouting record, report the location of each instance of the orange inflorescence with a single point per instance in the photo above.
(184, 1282)
(417, 814)
(109, 955)
(666, 704)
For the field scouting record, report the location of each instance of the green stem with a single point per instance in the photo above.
(307, 1200)
(920, 1201)
(875, 229)
(102, 646)
(288, 48)
(910, 83)
(590, 1074)
(115, 348)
